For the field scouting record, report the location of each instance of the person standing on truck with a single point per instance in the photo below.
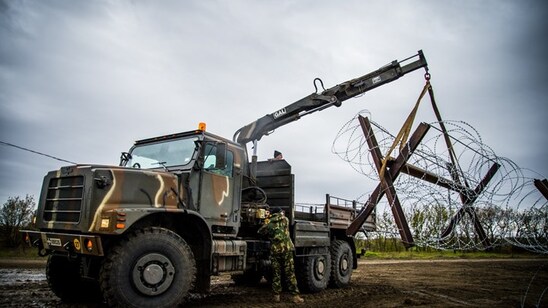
(281, 254)
(278, 155)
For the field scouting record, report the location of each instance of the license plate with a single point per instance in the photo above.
(54, 241)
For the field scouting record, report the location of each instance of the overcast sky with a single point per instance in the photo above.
(81, 80)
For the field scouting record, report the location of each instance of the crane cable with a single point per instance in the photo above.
(403, 134)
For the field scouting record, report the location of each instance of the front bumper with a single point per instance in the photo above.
(48, 242)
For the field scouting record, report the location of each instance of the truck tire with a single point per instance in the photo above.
(313, 272)
(341, 264)
(65, 281)
(152, 267)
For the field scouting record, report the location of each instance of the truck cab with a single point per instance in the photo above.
(209, 172)
(193, 171)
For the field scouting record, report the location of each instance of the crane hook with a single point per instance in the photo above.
(427, 75)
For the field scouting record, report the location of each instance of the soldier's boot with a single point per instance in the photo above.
(276, 298)
(297, 299)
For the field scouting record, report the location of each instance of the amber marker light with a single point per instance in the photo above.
(121, 220)
(202, 126)
(89, 244)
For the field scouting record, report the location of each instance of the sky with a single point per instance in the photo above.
(81, 80)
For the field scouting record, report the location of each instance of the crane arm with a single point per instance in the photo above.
(331, 97)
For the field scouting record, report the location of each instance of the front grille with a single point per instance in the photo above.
(64, 199)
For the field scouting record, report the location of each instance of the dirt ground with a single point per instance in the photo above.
(441, 283)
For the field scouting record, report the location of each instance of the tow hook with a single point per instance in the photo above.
(41, 251)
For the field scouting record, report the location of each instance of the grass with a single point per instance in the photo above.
(411, 254)
(444, 254)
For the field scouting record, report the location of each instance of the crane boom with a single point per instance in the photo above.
(331, 97)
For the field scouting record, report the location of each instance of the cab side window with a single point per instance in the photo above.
(210, 160)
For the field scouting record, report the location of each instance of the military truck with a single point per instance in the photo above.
(180, 208)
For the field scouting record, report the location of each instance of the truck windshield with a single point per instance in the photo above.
(170, 153)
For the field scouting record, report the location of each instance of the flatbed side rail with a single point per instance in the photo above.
(340, 213)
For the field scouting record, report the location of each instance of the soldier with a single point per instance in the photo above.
(281, 254)
(278, 155)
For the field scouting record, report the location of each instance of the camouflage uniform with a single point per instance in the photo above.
(281, 252)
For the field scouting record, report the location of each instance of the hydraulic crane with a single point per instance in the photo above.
(334, 96)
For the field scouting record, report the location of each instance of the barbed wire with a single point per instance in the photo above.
(510, 208)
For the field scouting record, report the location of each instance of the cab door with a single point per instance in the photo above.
(219, 191)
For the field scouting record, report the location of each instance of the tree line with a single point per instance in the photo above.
(503, 226)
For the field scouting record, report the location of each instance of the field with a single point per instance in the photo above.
(376, 283)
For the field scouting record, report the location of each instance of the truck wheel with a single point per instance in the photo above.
(341, 264)
(152, 267)
(313, 272)
(64, 280)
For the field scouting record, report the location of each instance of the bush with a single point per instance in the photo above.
(15, 215)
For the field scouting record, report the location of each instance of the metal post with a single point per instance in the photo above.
(253, 168)
(542, 186)
(386, 184)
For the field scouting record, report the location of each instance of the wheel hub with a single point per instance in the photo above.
(153, 274)
(320, 268)
(344, 264)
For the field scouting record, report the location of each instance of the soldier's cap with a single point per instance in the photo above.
(276, 210)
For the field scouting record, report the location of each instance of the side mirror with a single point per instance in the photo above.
(124, 158)
(220, 155)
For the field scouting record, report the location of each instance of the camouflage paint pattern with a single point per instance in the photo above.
(281, 252)
(277, 231)
(134, 189)
(283, 262)
(221, 189)
(101, 193)
(217, 198)
(217, 192)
